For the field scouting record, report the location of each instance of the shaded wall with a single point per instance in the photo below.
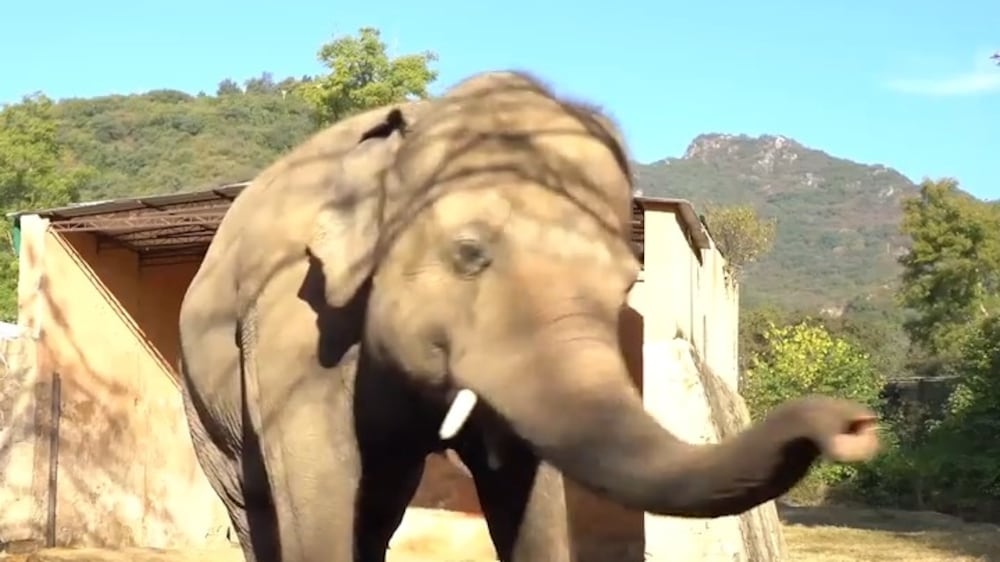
(127, 474)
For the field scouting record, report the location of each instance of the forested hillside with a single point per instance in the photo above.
(837, 235)
(837, 221)
(166, 141)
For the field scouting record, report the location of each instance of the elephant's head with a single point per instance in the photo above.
(496, 239)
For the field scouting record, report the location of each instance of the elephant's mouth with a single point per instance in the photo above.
(458, 415)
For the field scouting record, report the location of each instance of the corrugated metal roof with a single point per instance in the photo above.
(225, 192)
(181, 225)
(160, 228)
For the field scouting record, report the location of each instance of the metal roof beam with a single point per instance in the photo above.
(104, 241)
(112, 224)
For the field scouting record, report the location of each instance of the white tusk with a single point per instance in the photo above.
(458, 413)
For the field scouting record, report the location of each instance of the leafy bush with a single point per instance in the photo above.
(802, 359)
(950, 465)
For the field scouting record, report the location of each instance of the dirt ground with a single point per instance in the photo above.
(813, 534)
(842, 534)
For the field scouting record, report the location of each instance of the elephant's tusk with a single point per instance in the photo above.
(458, 413)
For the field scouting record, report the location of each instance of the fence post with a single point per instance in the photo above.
(56, 412)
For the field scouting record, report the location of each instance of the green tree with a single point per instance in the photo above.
(804, 358)
(741, 235)
(35, 171)
(363, 76)
(978, 393)
(754, 325)
(228, 87)
(263, 84)
(955, 466)
(874, 324)
(951, 274)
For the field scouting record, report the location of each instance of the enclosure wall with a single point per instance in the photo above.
(126, 474)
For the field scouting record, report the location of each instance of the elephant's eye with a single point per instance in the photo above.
(470, 256)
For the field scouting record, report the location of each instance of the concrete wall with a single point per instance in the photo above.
(107, 329)
(686, 297)
(18, 516)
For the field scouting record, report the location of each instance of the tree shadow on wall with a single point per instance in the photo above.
(126, 471)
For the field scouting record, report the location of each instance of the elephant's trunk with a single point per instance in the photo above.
(575, 404)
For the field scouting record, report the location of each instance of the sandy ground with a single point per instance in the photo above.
(842, 534)
(823, 534)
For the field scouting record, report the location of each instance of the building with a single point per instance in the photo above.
(102, 444)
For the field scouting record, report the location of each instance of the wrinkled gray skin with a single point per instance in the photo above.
(356, 285)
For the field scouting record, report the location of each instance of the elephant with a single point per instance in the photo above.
(449, 274)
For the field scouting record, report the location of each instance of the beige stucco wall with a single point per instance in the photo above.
(107, 328)
(686, 296)
(18, 515)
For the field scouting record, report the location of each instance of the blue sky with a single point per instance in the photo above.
(906, 84)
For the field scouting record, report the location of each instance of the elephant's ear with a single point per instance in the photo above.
(347, 227)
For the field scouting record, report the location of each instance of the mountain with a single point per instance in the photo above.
(837, 220)
(837, 235)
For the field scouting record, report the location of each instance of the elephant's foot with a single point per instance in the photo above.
(263, 536)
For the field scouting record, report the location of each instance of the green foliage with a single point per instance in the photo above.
(753, 331)
(875, 325)
(741, 235)
(954, 466)
(979, 391)
(363, 76)
(163, 142)
(36, 171)
(803, 359)
(951, 275)
(949, 460)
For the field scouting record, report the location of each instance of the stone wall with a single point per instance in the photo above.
(20, 516)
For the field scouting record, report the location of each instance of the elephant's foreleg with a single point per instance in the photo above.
(258, 505)
(224, 475)
(394, 435)
(386, 490)
(312, 469)
(303, 415)
(524, 503)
